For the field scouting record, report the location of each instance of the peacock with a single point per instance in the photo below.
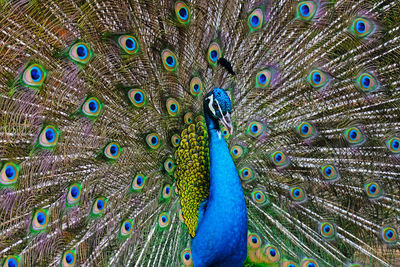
(200, 133)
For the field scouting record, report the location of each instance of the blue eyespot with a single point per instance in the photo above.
(254, 240)
(36, 74)
(214, 55)
(183, 13)
(50, 135)
(10, 172)
(164, 218)
(114, 149)
(69, 258)
(127, 226)
(173, 107)
(93, 106)
(305, 10)
(311, 265)
(81, 51)
(170, 61)
(353, 134)
(100, 204)
(272, 252)
(304, 129)
(316, 77)
(41, 218)
(74, 192)
(139, 181)
(360, 26)
(130, 44)
(154, 140)
(255, 21)
(296, 192)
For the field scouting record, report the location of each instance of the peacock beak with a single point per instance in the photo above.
(226, 121)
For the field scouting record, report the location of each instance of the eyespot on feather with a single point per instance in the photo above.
(112, 151)
(188, 118)
(12, 261)
(40, 219)
(186, 257)
(214, 53)
(80, 53)
(68, 258)
(255, 129)
(279, 159)
(367, 83)
(373, 190)
(270, 254)
(153, 140)
(137, 97)
(306, 10)
(253, 241)
(9, 174)
(306, 130)
(297, 194)
(138, 182)
(173, 107)
(196, 86)
(329, 172)
(34, 76)
(169, 165)
(126, 228)
(92, 107)
(256, 20)
(48, 137)
(128, 44)
(264, 78)
(362, 27)
(327, 230)
(389, 235)
(354, 136)
(393, 145)
(74, 194)
(182, 12)
(309, 263)
(169, 60)
(163, 220)
(175, 140)
(237, 151)
(99, 206)
(259, 197)
(318, 79)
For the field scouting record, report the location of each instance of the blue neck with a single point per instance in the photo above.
(221, 235)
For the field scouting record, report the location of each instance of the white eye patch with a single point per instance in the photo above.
(210, 104)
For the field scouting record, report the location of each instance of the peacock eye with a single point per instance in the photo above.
(40, 220)
(236, 151)
(279, 159)
(169, 165)
(166, 192)
(297, 194)
(259, 197)
(80, 53)
(373, 190)
(112, 151)
(99, 206)
(34, 76)
(306, 130)
(92, 107)
(213, 54)
(329, 172)
(263, 78)
(309, 263)
(137, 97)
(354, 136)
(271, 253)
(255, 19)
(153, 140)
(389, 235)
(169, 60)
(188, 118)
(175, 140)
(138, 182)
(9, 174)
(196, 86)
(255, 129)
(48, 138)
(306, 10)
(68, 258)
(246, 174)
(362, 27)
(253, 240)
(163, 220)
(394, 145)
(186, 257)
(126, 228)
(182, 12)
(173, 107)
(367, 82)
(327, 230)
(74, 194)
(128, 44)
(12, 261)
(318, 79)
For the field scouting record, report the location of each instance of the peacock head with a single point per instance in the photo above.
(218, 108)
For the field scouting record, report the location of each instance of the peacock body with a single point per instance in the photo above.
(205, 133)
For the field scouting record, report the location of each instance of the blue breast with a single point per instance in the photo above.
(221, 235)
